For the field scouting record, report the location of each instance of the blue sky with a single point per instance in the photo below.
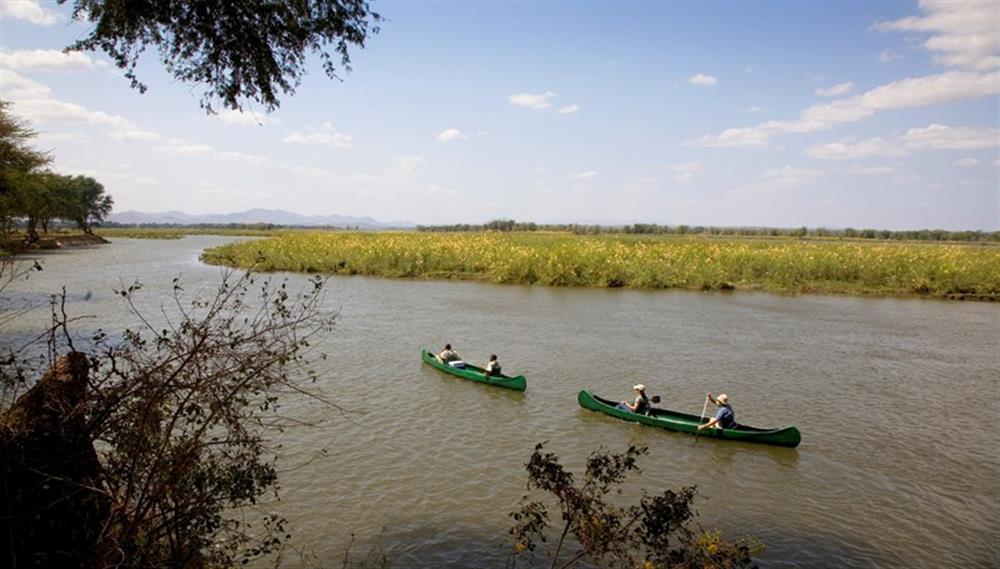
(835, 114)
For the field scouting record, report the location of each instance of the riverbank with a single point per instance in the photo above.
(17, 244)
(691, 263)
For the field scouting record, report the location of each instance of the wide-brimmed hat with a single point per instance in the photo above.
(722, 398)
(639, 387)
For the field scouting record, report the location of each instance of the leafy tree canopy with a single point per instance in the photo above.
(238, 49)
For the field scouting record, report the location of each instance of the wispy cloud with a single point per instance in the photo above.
(835, 90)
(962, 34)
(967, 162)
(50, 60)
(237, 118)
(450, 134)
(931, 137)
(569, 109)
(538, 101)
(584, 175)
(326, 134)
(30, 10)
(902, 94)
(780, 179)
(754, 109)
(36, 102)
(703, 80)
(888, 56)
(685, 171)
(180, 147)
(870, 170)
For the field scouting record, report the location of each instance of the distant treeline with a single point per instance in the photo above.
(654, 229)
(233, 226)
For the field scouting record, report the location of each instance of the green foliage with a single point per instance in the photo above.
(17, 158)
(39, 196)
(237, 49)
(656, 533)
(694, 263)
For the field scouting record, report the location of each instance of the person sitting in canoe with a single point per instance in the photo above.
(641, 403)
(450, 357)
(724, 418)
(493, 368)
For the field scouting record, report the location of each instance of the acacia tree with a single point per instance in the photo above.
(237, 49)
(17, 158)
(87, 204)
(656, 533)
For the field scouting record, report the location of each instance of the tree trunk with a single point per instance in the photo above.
(52, 508)
(32, 229)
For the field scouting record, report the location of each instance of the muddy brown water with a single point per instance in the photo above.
(897, 401)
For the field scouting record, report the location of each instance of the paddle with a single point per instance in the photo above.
(702, 420)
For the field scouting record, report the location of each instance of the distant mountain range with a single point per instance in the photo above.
(272, 216)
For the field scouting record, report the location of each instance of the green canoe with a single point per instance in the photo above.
(475, 373)
(674, 421)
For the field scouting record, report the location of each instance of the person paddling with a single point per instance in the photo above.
(641, 403)
(450, 357)
(493, 368)
(724, 418)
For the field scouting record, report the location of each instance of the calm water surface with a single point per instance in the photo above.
(897, 401)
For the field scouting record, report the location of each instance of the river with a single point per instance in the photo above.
(897, 401)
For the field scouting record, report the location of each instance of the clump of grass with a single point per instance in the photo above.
(694, 263)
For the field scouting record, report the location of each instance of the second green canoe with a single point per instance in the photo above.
(517, 383)
(674, 421)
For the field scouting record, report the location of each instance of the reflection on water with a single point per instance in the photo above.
(886, 474)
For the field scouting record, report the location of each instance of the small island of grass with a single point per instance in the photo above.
(785, 265)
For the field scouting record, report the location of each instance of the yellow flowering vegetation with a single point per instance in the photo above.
(695, 263)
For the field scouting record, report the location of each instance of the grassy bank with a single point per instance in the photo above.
(693, 263)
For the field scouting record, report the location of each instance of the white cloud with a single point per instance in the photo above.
(966, 162)
(569, 109)
(854, 150)
(534, 101)
(870, 171)
(905, 93)
(962, 34)
(703, 80)
(180, 147)
(36, 102)
(233, 117)
(30, 10)
(748, 69)
(779, 179)
(46, 60)
(932, 137)
(450, 134)
(685, 171)
(887, 56)
(134, 134)
(835, 90)
(754, 109)
(584, 175)
(944, 137)
(325, 134)
(406, 167)
(906, 179)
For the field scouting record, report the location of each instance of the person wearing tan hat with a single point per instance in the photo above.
(724, 418)
(641, 403)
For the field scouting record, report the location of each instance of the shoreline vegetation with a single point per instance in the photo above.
(775, 264)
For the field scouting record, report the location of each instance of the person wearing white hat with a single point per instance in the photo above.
(641, 403)
(724, 418)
